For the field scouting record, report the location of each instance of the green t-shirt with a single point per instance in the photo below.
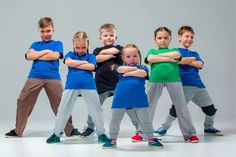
(163, 71)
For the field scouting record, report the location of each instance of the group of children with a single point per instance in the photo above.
(119, 72)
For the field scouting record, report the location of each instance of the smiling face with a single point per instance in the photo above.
(108, 37)
(186, 39)
(131, 56)
(46, 33)
(162, 39)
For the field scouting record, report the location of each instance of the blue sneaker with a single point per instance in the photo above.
(103, 138)
(109, 144)
(160, 132)
(155, 143)
(213, 131)
(53, 139)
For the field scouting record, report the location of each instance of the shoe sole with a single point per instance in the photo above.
(6, 136)
(112, 147)
(158, 135)
(157, 147)
(137, 141)
(52, 142)
(195, 141)
(87, 135)
(214, 134)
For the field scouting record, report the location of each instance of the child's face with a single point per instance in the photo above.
(46, 33)
(80, 46)
(162, 39)
(131, 56)
(186, 39)
(108, 38)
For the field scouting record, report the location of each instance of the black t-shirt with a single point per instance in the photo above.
(105, 77)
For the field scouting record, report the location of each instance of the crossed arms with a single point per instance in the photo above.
(107, 54)
(131, 71)
(42, 55)
(85, 65)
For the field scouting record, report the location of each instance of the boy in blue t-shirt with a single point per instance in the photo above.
(194, 89)
(44, 73)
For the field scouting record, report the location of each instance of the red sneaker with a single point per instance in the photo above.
(193, 139)
(137, 138)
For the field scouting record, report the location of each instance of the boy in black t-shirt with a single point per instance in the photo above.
(107, 57)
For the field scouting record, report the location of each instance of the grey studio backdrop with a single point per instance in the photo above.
(214, 22)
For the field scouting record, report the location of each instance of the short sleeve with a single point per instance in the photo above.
(92, 59)
(59, 48)
(148, 53)
(68, 55)
(144, 67)
(96, 51)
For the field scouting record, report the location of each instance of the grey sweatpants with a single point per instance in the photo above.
(103, 97)
(67, 103)
(142, 115)
(201, 98)
(175, 90)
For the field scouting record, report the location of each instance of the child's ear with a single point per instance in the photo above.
(179, 37)
(100, 38)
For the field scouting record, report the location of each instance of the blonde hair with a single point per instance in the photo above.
(45, 22)
(109, 27)
(78, 36)
(131, 46)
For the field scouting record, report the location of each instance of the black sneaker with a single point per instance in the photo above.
(12, 133)
(87, 132)
(213, 131)
(75, 132)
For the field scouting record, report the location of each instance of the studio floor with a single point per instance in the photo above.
(33, 144)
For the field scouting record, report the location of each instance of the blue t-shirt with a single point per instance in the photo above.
(46, 69)
(79, 78)
(189, 74)
(130, 91)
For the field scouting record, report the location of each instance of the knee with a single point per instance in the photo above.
(172, 111)
(209, 110)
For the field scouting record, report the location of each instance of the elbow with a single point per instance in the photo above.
(149, 59)
(91, 67)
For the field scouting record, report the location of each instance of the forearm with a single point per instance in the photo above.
(137, 73)
(197, 64)
(87, 66)
(125, 69)
(157, 59)
(102, 58)
(173, 55)
(33, 55)
(50, 56)
(187, 60)
(110, 51)
(74, 63)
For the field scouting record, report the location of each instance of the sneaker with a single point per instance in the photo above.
(75, 132)
(193, 139)
(53, 139)
(160, 132)
(109, 144)
(137, 138)
(103, 138)
(12, 133)
(87, 132)
(213, 131)
(154, 142)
